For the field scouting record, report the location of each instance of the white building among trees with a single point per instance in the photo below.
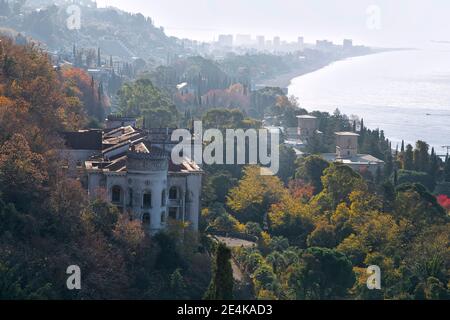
(133, 170)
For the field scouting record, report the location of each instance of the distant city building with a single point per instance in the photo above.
(324, 45)
(243, 40)
(347, 44)
(261, 41)
(225, 40)
(276, 42)
(300, 43)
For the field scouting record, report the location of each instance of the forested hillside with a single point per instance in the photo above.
(118, 33)
(47, 222)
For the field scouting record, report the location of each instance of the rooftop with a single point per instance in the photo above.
(363, 159)
(346, 133)
(305, 116)
(126, 142)
(83, 139)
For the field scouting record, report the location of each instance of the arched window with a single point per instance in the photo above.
(147, 200)
(116, 194)
(163, 198)
(173, 213)
(146, 219)
(173, 193)
(163, 217)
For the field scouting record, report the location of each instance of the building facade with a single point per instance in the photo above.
(134, 172)
(346, 147)
(307, 127)
(347, 153)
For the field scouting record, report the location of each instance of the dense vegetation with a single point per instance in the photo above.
(316, 242)
(47, 222)
(316, 225)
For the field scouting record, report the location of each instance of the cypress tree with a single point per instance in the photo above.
(408, 161)
(389, 165)
(221, 286)
(99, 59)
(447, 169)
(433, 169)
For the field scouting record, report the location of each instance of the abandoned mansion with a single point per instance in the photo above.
(133, 169)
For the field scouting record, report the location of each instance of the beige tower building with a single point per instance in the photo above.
(307, 126)
(346, 145)
(347, 153)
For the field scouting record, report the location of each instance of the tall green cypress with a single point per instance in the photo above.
(433, 168)
(408, 160)
(389, 165)
(221, 286)
(99, 58)
(447, 169)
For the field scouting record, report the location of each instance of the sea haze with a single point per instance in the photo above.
(405, 93)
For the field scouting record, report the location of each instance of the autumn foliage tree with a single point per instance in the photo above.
(78, 85)
(47, 221)
(252, 198)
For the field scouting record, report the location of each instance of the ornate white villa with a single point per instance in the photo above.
(133, 168)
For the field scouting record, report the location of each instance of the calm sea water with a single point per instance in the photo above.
(405, 93)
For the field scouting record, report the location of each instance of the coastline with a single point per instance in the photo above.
(284, 80)
(386, 91)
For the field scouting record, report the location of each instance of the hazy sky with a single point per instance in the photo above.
(373, 22)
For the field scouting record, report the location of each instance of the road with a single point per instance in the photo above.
(234, 242)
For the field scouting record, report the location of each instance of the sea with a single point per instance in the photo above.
(406, 93)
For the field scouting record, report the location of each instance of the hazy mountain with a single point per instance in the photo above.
(116, 32)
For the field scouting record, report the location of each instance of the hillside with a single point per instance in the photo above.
(118, 33)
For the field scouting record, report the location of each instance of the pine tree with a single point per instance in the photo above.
(221, 286)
